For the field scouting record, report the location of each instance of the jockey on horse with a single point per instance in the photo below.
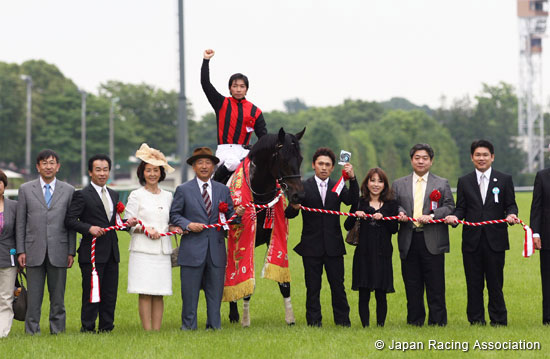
(236, 119)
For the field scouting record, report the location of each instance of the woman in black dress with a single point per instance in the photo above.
(372, 260)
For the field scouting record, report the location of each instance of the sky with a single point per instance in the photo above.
(320, 51)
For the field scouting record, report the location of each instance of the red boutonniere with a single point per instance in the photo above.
(120, 207)
(223, 207)
(435, 196)
(222, 210)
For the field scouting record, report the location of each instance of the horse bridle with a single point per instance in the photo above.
(279, 179)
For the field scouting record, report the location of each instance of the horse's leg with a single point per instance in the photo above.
(233, 312)
(289, 313)
(246, 312)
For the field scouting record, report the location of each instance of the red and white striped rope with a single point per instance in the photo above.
(309, 209)
(206, 226)
(442, 220)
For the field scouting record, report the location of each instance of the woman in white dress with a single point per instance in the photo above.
(149, 265)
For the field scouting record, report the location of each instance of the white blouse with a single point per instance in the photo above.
(154, 211)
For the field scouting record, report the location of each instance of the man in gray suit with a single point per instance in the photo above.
(423, 196)
(202, 255)
(45, 247)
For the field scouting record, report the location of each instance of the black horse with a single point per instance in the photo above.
(273, 159)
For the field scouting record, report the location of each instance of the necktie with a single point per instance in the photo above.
(323, 191)
(47, 195)
(206, 198)
(483, 187)
(105, 201)
(418, 200)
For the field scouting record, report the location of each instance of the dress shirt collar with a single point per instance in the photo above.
(318, 180)
(52, 184)
(201, 182)
(98, 188)
(416, 177)
(486, 173)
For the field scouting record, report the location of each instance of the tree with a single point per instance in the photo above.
(494, 118)
(497, 112)
(12, 116)
(399, 130)
(295, 105)
(144, 114)
(363, 152)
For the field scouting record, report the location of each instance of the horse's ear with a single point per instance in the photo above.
(300, 134)
(282, 135)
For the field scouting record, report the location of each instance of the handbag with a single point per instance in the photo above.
(352, 238)
(175, 252)
(20, 298)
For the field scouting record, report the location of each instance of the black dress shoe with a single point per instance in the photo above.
(344, 324)
(84, 330)
(478, 322)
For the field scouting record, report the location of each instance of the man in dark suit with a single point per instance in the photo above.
(422, 246)
(540, 224)
(202, 255)
(92, 209)
(45, 246)
(485, 194)
(322, 243)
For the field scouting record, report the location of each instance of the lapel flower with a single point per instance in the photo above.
(435, 196)
(223, 207)
(119, 207)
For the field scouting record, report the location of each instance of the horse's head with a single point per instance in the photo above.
(286, 165)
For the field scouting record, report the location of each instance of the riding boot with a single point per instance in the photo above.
(222, 174)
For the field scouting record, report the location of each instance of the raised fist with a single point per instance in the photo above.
(208, 53)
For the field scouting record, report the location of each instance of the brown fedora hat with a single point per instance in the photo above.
(202, 152)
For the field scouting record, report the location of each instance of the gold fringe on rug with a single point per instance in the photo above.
(239, 291)
(276, 273)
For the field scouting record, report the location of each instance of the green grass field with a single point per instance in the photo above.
(269, 336)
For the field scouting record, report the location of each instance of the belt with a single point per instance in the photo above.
(418, 229)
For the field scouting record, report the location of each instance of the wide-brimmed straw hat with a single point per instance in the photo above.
(153, 157)
(202, 152)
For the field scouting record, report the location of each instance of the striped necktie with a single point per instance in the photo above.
(206, 198)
